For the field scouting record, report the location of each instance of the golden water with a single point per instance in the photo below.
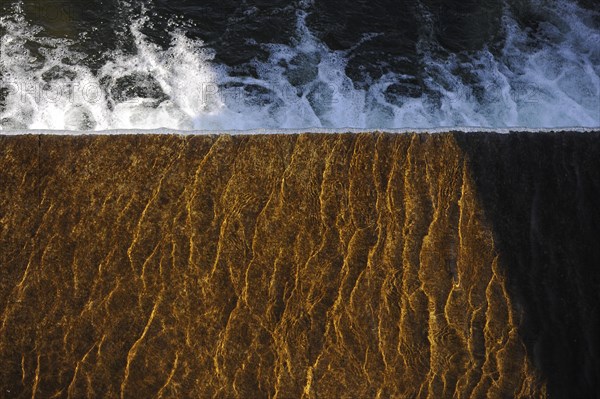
(285, 266)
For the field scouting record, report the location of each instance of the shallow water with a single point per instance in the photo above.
(287, 266)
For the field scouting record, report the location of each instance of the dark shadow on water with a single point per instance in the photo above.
(541, 194)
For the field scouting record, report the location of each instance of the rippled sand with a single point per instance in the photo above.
(285, 266)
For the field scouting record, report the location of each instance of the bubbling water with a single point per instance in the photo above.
(545, 79)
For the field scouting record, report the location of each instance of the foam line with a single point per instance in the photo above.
(438, 130)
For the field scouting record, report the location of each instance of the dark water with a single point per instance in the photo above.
(250, 64)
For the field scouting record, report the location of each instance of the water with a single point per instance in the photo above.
(299, 65)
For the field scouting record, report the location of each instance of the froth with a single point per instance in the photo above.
(549, 78)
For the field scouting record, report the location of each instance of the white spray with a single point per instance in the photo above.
(553, 84)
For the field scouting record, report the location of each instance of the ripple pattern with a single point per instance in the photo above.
(284, 266)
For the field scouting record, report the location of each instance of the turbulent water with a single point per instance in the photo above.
(306, 64)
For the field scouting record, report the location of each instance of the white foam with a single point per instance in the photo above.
(535, 83)
(438, 130)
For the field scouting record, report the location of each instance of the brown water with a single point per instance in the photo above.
(283, 266)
